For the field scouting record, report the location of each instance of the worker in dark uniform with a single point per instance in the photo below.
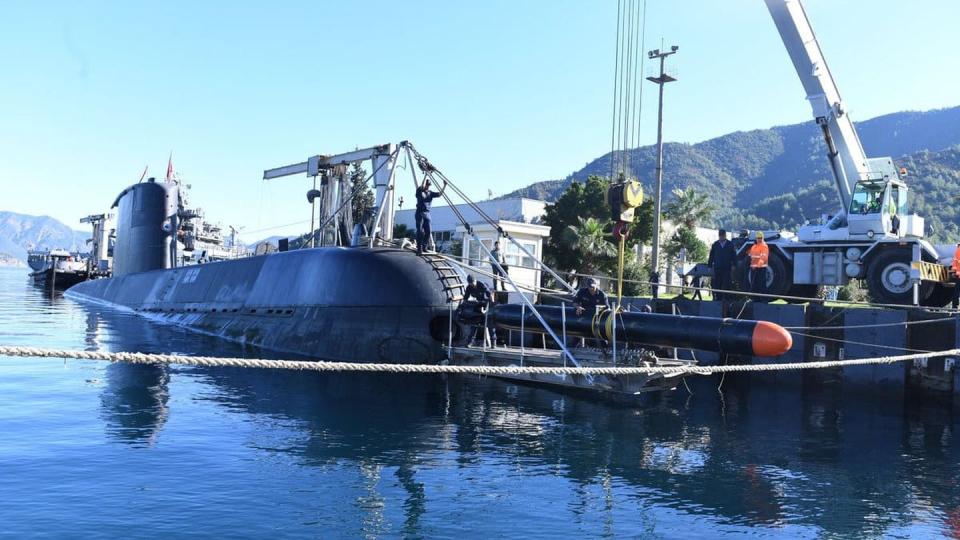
(759, 254)
(589, 297)
(587, 300)
(477, 293)
(722, 255)
(955, 270)
(422, 215)
(497, 257)
(697, 283)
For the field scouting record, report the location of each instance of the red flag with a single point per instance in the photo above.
(170, 168)
(144, 175)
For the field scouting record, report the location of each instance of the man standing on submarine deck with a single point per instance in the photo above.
(422, 215)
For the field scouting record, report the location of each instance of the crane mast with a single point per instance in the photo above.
(847, 158)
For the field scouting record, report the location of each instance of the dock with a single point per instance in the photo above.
(820, 333)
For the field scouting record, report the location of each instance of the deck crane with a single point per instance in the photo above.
(873, 236)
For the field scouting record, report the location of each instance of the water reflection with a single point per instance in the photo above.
(761, 455)
(134, 402)
(134, 399)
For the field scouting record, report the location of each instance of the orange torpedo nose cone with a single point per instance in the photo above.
(770, 339)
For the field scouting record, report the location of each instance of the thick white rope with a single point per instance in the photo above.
(307, 365)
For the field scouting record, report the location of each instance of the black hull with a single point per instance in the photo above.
(58, 280)
(343, 304)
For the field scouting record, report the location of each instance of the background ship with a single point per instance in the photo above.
(57, 268)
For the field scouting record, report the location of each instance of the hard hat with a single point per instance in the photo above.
(759, 235)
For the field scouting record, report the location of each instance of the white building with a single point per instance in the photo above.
(445, 222)
(519, 217)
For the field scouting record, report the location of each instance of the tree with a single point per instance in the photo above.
(685, 238)
(689, 208)
(641, 232)
(363, 201)
(580, 200)
(402, 231)
(589, 239)
(584, 201)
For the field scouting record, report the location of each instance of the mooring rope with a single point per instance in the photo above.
(323, 366)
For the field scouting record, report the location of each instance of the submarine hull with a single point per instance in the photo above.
(331, 303)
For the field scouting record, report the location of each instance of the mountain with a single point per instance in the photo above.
(21, 232)
(780, 176)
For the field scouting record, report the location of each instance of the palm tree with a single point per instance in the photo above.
(589, 239)
(689, 208)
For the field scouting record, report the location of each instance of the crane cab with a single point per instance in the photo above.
(879, 209)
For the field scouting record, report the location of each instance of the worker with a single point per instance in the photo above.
(696, 281)
(422, 215)
(955, 267)
(476, 293)
(759, 254)
(722, 255)
(589, 297)
(496, 257)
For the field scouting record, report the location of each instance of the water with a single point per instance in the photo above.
(90, 449)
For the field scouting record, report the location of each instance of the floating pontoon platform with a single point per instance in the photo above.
(616, 386)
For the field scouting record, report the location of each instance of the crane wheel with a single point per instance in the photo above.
(940, 296)
(888, 278)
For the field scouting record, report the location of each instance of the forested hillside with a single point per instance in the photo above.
(779, 177)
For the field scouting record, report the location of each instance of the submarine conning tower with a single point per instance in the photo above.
(146, 227)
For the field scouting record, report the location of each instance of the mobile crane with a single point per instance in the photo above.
(873, 237)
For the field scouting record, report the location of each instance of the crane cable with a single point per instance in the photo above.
(627, 104)
(628, 64)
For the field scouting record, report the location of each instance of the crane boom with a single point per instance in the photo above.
(847, 158)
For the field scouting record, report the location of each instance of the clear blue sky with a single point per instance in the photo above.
(498, 94)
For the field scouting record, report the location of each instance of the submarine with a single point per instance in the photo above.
(355, 303)
(358, 299)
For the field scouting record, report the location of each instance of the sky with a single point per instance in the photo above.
(498, 94)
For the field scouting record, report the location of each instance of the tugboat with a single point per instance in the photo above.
(57, 268)
(38, 259)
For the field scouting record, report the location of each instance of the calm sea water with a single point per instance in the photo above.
(90, 449)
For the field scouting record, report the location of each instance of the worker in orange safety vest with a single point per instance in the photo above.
(759, 254)
(955, 268)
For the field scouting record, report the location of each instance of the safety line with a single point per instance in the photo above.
(324, 366)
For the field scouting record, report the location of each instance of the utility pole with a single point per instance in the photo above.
(661, 80)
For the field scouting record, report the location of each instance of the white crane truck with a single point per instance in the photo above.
(874, 236)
